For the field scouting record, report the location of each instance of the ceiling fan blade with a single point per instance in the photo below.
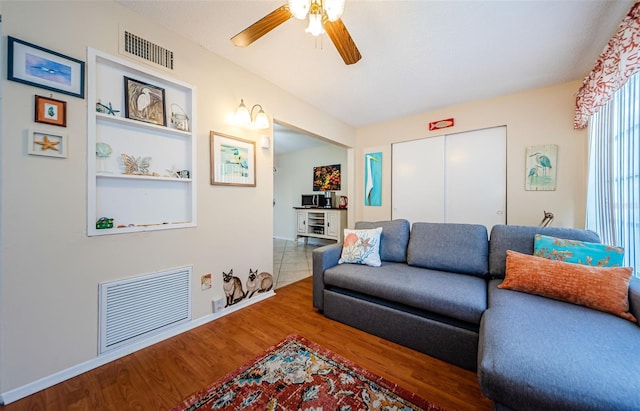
(341, 38)
(261, 27)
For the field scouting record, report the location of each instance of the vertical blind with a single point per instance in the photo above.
(613, 203)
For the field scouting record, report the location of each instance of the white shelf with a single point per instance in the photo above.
(137, 203)
(141, 125)
(143, 177)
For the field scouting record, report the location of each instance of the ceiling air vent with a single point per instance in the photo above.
(146, 50)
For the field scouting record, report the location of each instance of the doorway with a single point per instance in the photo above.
(295, 153)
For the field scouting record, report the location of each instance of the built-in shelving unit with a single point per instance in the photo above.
(156, 198)
(328, 224)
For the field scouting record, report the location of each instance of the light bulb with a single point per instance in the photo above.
(262, 121)
(299, 8)
(315, 25)
(242, 114)
(333, 9)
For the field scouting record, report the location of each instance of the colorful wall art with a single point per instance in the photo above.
(541, 168)
(327, 178)
(373, 179)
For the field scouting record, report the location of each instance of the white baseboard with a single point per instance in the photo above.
(60, 376)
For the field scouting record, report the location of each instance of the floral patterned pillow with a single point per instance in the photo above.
(577, 252)
(361, 247)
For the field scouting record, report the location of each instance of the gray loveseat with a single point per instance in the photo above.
(436, 292)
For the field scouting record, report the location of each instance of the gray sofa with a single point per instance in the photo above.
(436, 292)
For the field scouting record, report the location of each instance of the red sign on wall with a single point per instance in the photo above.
(436, 125)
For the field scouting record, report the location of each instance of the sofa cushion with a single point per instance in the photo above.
(457, 296)
(521, 238)
(577, 252)
(394, 239)
(537, 353)
(457, 248)
(600, 288)
(361, 247)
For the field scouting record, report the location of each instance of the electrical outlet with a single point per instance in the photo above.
(218, 304)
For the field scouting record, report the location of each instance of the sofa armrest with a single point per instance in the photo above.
(323, 258)
(634, 297)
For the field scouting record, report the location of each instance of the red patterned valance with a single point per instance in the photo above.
(619, 61)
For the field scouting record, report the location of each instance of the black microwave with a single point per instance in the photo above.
(318, 200)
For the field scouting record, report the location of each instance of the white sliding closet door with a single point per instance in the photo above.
(476, 177)
(457, 178)
(417, 186)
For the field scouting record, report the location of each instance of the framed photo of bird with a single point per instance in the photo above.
(41, 143)
(233, 160)
(144, 102)
(541, 167)
(36, 66)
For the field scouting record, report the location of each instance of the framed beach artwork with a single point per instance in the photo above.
(42, 143)
(373, 179)
(541, 167)
(233, 160)
(47, 69)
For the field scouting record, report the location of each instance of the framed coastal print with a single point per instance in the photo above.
(144, 102)
(233, 160)
(373, 179)
(41, 143)
(541, 167)
(51, 111)
(39, 67)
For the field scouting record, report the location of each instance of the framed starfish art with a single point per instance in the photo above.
(40, 143)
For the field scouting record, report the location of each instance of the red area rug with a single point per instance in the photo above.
(298, 374)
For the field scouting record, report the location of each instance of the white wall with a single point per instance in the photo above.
(294, 176)
(534, 117)
(49, 268)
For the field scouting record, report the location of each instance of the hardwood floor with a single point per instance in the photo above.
(162, 375)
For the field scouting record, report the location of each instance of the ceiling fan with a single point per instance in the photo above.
(324, 16)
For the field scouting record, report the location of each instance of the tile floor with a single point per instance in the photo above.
(292, 260)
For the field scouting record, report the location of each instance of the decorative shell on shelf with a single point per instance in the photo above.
(135, 165)
(103, 150)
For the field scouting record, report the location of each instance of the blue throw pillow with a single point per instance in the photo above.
(577, 252)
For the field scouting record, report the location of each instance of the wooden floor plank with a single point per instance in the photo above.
(162, 375)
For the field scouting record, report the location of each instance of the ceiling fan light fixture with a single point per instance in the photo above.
(315, 25)
(333, 9)
(299, 8)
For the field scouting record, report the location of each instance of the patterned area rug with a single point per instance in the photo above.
(298, 374)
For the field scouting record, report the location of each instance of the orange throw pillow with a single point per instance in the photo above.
(601, 288)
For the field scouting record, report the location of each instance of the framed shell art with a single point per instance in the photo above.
(233, 160)
(41, 143)
(144, 102)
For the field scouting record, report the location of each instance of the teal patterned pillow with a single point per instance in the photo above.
(361, 247)
(577, 252)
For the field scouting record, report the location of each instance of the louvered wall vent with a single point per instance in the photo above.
(146, 50)
(139, 307)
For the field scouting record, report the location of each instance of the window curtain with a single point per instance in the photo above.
(619, 61)
(613, 203)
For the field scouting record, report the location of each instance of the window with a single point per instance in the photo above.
(613, 203)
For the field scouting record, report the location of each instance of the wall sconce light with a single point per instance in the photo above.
(245, 117)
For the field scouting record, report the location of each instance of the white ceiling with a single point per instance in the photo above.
(417, 55)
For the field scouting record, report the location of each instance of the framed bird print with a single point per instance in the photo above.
(233, 160)
(144, 102)
(36, 66)
(541, 168)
